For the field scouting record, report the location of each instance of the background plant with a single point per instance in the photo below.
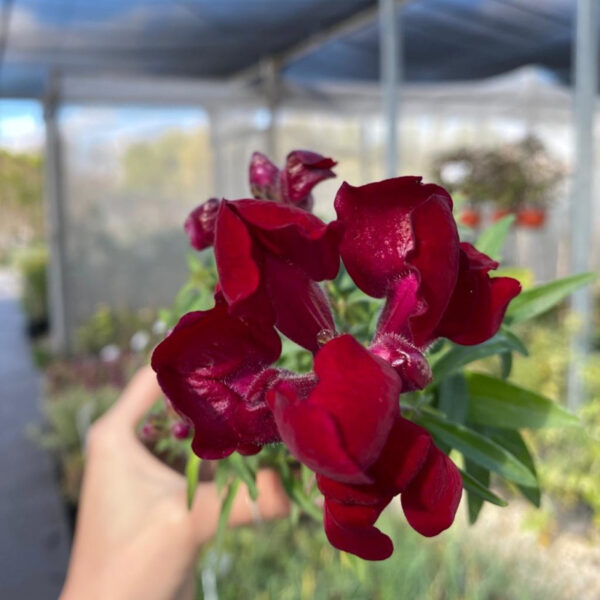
(510, 176)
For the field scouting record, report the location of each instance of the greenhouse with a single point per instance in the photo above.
(151, 107)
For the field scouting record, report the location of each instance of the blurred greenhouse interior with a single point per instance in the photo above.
(118, 117)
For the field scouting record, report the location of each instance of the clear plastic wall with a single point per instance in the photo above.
(132, 175)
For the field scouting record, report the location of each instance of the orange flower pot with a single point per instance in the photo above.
(531, 218)
(470, 217)
(500, 213)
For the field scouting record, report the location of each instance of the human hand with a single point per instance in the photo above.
(135, 537)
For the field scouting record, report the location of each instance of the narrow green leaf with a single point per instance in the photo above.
(243, 470)
(513, 441)
(459, 356)
(499, 403)
(492, 240)
(478, 448)
(453, 399)
(192, 469)
(226, 507)
(294, 489)
(474, 501)
(474, 485)
(536, 301)
(514, 340)
(506, 362)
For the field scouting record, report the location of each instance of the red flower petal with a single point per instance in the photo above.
(432, 498)
(303, 170)
(351, 528)
(478, 304)
(361, 391)
(294, 234)
(340, 428)
(345, 493)
(210, 368)
(235, 253)
(403, 456)
(436, 258)
(395, 227)
(264, 178)
(200, 224)
(405, 453)
(312, 435)
(300, 305)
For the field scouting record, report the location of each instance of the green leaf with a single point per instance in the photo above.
(492, 240)
(243, 470)
(453, 399)
(506, 362)
(474, 485)
(499, 403)
(295, 490)
(538, 300)
(226, 507)
(513, 441)
(192, 469)
(459, 356)
(478, 448)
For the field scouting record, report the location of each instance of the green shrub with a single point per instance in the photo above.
(109, 326)
(69, 415)
(569, 458)
(32, 263)
(280, 561)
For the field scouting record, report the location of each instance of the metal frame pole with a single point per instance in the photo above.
(390, 77)
(56, 229)
(585, 70)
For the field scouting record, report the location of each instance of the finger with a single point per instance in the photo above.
(137, 398)
(272, 503)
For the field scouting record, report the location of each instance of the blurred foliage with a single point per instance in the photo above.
(108, 326)
(32, 263)
(279, 561)
(569, 459)
(510, 176)
(175, 163)
(20, 200)
(90, 372)
(69, 415)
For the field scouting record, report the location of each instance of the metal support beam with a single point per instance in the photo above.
(585, 68)
(218, 157)
(390, 77)
(272, 92)
(56, 230)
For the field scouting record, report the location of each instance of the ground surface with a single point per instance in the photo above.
(34, 538)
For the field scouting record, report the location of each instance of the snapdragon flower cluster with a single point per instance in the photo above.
(398, 241)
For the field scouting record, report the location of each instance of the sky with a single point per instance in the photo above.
(21, 125)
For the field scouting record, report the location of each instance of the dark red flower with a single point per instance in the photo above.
(200, 224)
(269, 257)
(432, 498)
(478, 304)
(339, 425)
(400, 242)
(428, 481)
(213, 369)
(292, 184)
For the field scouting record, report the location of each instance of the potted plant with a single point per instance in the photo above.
(516, 178)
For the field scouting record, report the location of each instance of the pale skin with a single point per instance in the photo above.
(135, 537)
